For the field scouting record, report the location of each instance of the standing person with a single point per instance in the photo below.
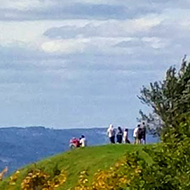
(119, 135)
(83, 141)
(125, 136)
(143, 126)
(111, 133)
(140, 130)
(136, 135)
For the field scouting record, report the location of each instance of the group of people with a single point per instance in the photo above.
(118, 135)
(139, 134)
(121, 136)
(75, 143)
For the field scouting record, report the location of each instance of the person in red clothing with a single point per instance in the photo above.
(74, 143)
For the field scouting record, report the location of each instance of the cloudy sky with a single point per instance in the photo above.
(82, 63)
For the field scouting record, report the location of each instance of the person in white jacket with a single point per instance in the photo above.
(126, 136)
(83, 142)
(136, 134)
(111, 133)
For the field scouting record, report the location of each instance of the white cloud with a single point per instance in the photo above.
(65, 46)
(155, 42)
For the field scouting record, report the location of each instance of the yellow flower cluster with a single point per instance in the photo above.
(83, 181)
(35, 179)
(117, 177)
(38, 179)
(13, 178)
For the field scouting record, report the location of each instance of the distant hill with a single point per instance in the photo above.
(89, 159)
(21, 146)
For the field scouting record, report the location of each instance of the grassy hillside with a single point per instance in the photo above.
(73, 162)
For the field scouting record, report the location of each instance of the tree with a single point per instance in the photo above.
(168, 98)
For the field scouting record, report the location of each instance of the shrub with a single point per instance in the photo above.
(171, 167)
(125, 173)
(37, 179)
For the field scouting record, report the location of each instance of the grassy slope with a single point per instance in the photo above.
(75, 161)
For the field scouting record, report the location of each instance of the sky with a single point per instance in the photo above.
(82, 63)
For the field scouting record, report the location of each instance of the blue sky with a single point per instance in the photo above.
(82, 63)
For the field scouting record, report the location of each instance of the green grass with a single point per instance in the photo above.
(89, 158)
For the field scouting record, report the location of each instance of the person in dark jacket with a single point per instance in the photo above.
(143, 126)
(140, 134)
(119, 135)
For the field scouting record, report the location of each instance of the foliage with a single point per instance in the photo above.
(13, 179)
(124, 174)
(37, 179)
(171, 167)
(171, 159)
(171, 97)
